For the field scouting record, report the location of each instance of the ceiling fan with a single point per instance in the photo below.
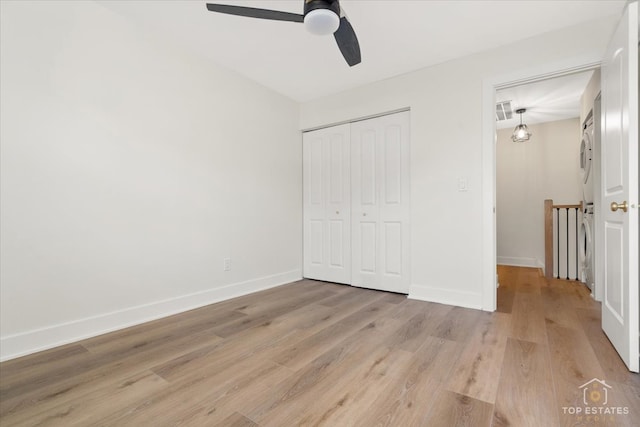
(320, 17)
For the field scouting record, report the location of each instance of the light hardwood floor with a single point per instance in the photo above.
(314, 353)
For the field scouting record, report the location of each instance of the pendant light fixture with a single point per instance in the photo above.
(521, 133)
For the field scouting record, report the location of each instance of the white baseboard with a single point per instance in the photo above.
(520, 262)
(21, 344)
(446, 296)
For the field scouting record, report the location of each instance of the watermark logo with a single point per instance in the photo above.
(595, 392)
(595, 397)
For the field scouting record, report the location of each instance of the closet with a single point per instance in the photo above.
(356, 203)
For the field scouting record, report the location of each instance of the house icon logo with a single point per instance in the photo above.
(595, 396)
(595, 392)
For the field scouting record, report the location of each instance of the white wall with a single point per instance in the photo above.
(546, 167)
(588, 97)
(446, 140)
(129, 171)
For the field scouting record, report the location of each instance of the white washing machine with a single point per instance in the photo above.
(586, 235)
(585, 243)
(586, 160)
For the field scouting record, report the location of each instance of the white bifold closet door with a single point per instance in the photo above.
(356, 203)
(327, 204)
(380, 203)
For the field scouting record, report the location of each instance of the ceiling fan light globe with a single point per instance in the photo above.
(321, 22)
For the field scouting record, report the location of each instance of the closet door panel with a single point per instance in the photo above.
(380, 202)
(314, 240)
(367, 249)
(393, 165)
(367, 166)
(338, 167)
(326, 205)
(392, 247)
(365, 156)
(315, 172)
(336, 242)
(394, 208)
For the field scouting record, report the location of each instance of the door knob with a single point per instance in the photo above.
(337, 212)
(623, 206)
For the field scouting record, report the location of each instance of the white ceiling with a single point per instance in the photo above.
(545, 101)
(396, 36)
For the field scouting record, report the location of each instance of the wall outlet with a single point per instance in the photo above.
(227, 264)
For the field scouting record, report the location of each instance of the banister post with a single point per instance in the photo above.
(548, 238)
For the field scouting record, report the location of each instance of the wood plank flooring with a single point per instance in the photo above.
(314, 353)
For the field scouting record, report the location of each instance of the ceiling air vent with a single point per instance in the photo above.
(503, 111)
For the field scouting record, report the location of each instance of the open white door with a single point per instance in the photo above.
(620, 320)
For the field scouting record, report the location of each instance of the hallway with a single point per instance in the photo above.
(556, 335)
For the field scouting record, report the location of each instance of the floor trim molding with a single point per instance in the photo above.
(446, 296)
(24, 343)
(520, 262)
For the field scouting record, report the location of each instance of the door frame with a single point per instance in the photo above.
(489, 87)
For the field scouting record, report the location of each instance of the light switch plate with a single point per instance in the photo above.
(463, 184)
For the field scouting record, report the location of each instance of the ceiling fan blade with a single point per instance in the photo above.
(348, 42)
(253, 12)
